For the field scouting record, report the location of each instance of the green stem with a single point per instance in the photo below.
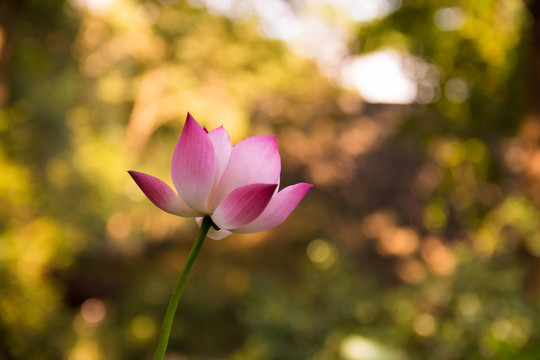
(175, 298)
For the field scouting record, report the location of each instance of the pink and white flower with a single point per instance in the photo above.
(237, 186)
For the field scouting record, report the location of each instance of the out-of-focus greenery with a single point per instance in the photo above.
(419, 241)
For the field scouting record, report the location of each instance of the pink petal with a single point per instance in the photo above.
(222, 149)
(253, 160)
(213, 233)
(162, 195)
(243, 205)
(279, 208)
(193, 166)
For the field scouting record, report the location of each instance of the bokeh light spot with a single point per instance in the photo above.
(425, 325)
(457, 90)
(380, 78)
(449, 19)
(143, 327)
(93, 311)
(411, 271)
(86, 350)
(321, 253)
(439, 257)
(398, 242)
(501, 329)
(356, 347)
(435, 216)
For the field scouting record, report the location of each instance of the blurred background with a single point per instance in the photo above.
(417, 121)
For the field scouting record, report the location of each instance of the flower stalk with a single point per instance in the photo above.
(177, 292)
(227, 189)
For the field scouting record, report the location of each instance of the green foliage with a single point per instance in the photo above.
(417, 242)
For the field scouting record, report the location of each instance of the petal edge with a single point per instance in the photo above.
(161, 194)
(192, 166)
(279, 208)
(254, 160)
(243, 205)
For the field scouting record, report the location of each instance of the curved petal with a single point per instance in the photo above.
(193, 166)
(213, 233)
(243, 205)
(162, 195)
(253, 160)
(222, 148)
(279, 208)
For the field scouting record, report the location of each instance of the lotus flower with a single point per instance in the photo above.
(237, 186)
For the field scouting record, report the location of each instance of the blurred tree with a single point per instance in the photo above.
(530, 128)
(416, 242)
(82, 76)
